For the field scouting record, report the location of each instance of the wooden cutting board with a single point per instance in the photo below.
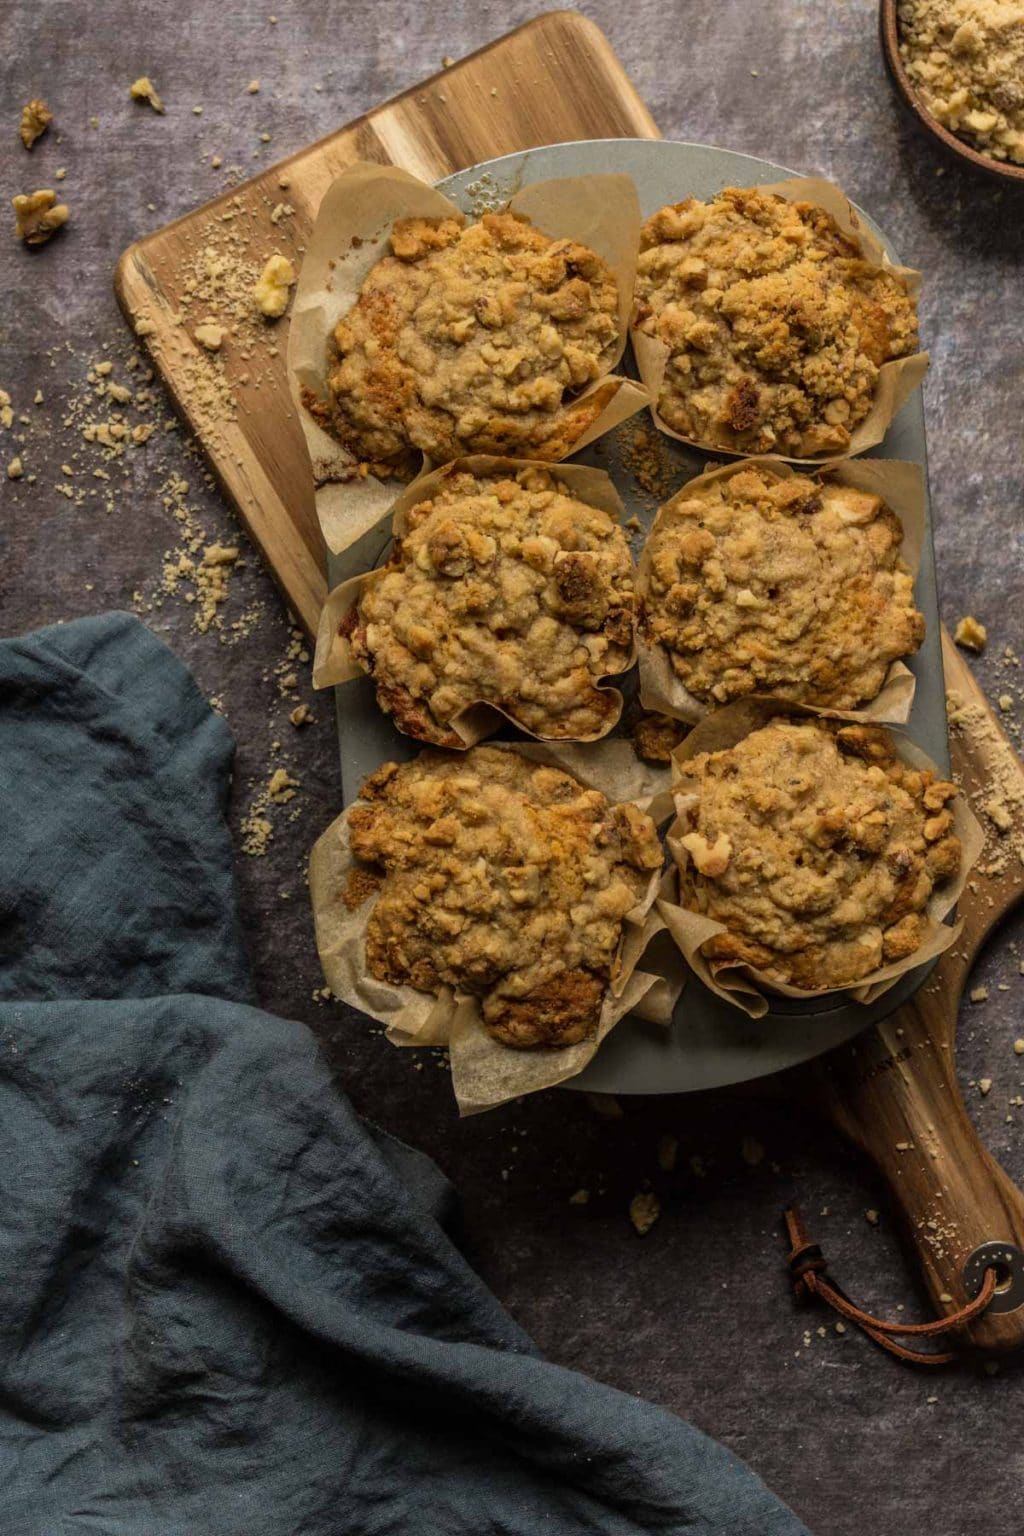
(555, 78)
(894, 1089)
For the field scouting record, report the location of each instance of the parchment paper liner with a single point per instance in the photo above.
(901, 487)
(335, 662)
(485, 1073)
(896, 380)
(739, 984)
(350, 236)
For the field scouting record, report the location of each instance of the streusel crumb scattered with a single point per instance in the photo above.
(272, 290)
(506, 590)
(816, 847)
(504, 879)
(776, 326)
(795, 587)
(472, 338)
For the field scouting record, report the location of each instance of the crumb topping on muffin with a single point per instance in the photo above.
(473, 338)
(505, 879)
(759, 584)
(775, 324)
(816, 847)
(504, 589)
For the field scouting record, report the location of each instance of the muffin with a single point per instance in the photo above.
(775, 324)
(816, 847)
(472, 338)
(505, 589)
(503, 879)
(760, 583)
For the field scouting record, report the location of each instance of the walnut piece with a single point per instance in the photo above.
(38, 216)
(143, 89)
(971, 634)
(271, 291)
(36, 117)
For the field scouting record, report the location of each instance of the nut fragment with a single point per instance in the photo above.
(271, 291)
(36, 117)
(210, 335)
(644, 1210)
(38, 215)
(971, 634)
(143, 89)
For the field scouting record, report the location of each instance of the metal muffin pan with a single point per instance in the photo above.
(710, 1043)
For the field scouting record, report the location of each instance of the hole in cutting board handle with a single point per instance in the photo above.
(1008, 1263)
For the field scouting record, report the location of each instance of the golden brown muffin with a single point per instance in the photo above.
(504, 879)
(759, 584)
(816, 847)
(776, 326)
(473, 338)
(503, 589)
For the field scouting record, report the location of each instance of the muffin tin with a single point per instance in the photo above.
(710, 1044)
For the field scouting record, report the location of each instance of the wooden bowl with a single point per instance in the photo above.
(888, 28)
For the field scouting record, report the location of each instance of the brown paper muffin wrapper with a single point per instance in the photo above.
(335, 662)
(741, 985)
(350, 236)
(900, 485)
(897, 380)
(485, 1073)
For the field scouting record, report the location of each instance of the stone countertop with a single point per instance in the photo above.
(697, 1314)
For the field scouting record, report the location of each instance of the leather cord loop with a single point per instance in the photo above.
(808, 1272)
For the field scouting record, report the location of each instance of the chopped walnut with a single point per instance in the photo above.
(38, 215)
(971, 634)
(644, 1210)
(36, 117)
(143, 89)
(271, 291)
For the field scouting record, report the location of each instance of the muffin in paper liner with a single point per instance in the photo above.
(350, 236)
(486, 1073)
(334, 661)
(897, 379)
(740, 984)
(899, 485)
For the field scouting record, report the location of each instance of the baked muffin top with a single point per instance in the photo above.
(472, 338)
(776, 326)
(787, 586)
(817, 847)
(503, 588)
(505, 879)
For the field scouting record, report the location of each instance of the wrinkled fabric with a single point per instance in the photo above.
(227, 1307)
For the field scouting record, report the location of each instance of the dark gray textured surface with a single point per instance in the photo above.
(696, 1315)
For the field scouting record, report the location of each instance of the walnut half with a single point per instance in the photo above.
(36, 117)
(38, 215)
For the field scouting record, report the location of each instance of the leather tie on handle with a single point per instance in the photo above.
(807, 1269)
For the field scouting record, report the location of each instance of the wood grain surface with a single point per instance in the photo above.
(556, 78)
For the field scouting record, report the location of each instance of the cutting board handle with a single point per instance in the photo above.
(894, 1093)
(894, 1090)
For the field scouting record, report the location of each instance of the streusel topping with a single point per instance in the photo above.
(775, 324)
(473, 338)
(504, 879)
(787, 586)
(817, 847)
(504, 589)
